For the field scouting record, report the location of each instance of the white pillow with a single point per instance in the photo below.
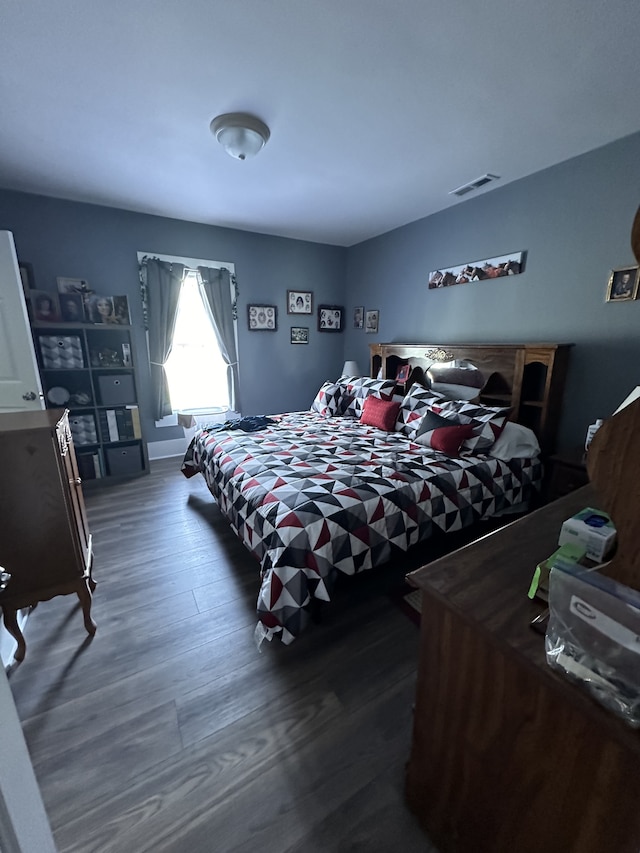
(515, 442)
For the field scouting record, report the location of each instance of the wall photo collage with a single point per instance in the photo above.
(329, 318)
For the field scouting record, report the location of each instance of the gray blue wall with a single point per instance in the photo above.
(61, 238)
(574, 222)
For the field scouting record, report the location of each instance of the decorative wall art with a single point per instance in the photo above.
(299, 302)
(330, 318)
(623, 284)
(358, 317)
(299, 334)
(371, 321)
(496, 267)
(262, 318)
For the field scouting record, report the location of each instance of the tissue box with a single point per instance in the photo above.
(593, 530)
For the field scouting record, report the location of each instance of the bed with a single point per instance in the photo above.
(363, 475)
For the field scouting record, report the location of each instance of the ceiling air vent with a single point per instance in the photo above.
(474, 185)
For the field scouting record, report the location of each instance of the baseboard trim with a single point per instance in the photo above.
(165, 449)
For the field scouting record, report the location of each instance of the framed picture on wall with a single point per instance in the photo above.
(299, 334)
(262, 318)
(371, 321)
(330, 318)
(299, 302)
(623, 284)
(358, 317)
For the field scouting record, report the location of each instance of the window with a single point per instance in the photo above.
(196, 372)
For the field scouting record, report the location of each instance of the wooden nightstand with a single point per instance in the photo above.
(567, 472)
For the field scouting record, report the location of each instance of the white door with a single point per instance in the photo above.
(20, 388)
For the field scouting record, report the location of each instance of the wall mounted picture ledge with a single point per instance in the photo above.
(623, 284)
(262, 318)
(469, 273)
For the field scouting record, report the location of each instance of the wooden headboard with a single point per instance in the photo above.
(528, 377)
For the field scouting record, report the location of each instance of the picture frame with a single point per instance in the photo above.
(121, 311)
(623, 284)
(45, 306)
(299, 334)
(99, 310)
(71, 307)
(372, 320)
(330, 318)
(262, 318)
(299, 302)
(402, 375)
(72, 285)
(358, 317)
(26, 276)
(498, 266)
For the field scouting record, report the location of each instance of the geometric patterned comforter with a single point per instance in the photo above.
(312, 496)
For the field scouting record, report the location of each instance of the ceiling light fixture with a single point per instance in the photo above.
(240, 134)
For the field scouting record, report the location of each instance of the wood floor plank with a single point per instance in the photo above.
(170, 731)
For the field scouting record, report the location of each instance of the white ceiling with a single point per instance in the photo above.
(377, 109)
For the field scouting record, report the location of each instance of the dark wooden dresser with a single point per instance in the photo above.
(507, 756)
(45, 542)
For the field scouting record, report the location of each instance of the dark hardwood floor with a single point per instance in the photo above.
(170, 731)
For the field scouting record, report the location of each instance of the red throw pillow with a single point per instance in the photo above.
(441, 434)
(380, 413)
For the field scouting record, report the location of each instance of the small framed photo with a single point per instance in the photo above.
(73, 285)
(371, 321)
(26, 277)
(99, 309)
(262, 318)
(358, 317)
(121, 311)
(299, 302)
(45, 306)
(330, 318)
(402, 375)
(623, 284)
(71, 307)
(299, 334)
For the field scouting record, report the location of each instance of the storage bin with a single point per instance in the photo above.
(61, 351)
(83, 429)
(124, 459)
(116, 389)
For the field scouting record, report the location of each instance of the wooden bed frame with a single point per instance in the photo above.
(527, 377)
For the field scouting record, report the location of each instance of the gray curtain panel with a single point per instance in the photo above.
(163, 283)
(217, 289)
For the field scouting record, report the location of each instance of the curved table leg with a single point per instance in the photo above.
(84, 594)
(11, 624)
